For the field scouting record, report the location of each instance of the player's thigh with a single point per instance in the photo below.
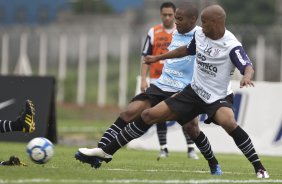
(224, 116)
(157, 114)
(134, 109)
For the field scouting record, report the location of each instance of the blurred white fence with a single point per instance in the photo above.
(23, 66)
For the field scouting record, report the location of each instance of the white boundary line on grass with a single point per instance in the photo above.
(192, 181)
(158, 170)
(180, 171)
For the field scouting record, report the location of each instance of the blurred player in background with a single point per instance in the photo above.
(25, 123)
(157, 42)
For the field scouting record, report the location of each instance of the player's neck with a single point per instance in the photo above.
(219, 34)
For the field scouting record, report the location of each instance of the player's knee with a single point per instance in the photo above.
(127, 115)
(146, 116)
(228, 120)
(228, 123)
(192, 128)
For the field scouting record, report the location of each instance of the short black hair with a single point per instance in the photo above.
(168, 5)
(190, 9)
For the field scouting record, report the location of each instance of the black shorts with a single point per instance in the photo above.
(153, 94)
(188, 105)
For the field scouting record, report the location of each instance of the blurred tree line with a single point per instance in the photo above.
(91, 7)
(254, 12)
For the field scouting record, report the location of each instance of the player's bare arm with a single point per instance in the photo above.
(177, 53)
(247, 78)
(144, 73)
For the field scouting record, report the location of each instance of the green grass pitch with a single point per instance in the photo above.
(132, 166)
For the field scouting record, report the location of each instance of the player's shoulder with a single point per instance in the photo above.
(228, 35)
(230, 39)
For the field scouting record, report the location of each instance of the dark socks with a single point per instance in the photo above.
(162, 131)
(111, 132)
(130, 132)
(244, 143)
(10, 126)
(204, 146)
(187, 137)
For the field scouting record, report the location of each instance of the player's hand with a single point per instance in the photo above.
(150, 59)
(246, 81)
(144, 85)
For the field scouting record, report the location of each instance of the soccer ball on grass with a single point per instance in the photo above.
(40, 150)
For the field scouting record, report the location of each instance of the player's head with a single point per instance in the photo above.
(213, 21)
(185, 17)
(167, 11)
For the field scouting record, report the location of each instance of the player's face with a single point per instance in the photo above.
(184, 23)
(167, 16)
(208, 25)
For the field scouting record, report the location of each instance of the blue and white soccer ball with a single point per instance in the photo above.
(40, 150)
